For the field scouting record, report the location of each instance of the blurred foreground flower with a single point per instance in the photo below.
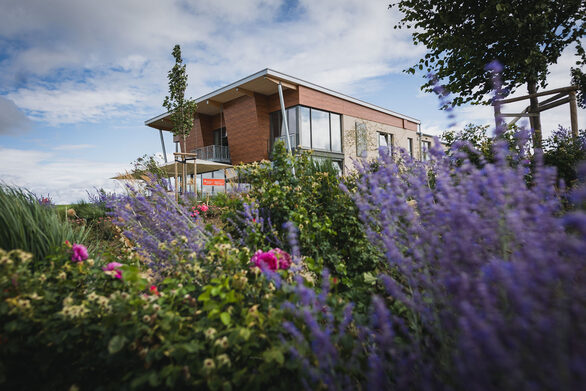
(79, 253)
(273, 259)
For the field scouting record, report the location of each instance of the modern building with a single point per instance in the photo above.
(240, 123)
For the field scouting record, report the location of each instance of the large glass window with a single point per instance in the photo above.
(310, 128)
(278, 130)
(305, 127)
(320, 129)
(336, 132)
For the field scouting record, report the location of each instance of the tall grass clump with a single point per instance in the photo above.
(29, 224)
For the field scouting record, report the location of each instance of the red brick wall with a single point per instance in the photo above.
(246, 141)
(320, 100)
(263, 121)
(247, 120)
(290, 97)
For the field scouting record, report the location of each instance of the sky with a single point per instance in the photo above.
(78, 78)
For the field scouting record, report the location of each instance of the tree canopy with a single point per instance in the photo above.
(462, 37)
(182, 109)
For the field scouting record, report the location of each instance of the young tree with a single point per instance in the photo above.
(182, 109)
(462, 37)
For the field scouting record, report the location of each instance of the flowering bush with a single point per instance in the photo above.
(329, 231)
(161, 228)
(479, 293)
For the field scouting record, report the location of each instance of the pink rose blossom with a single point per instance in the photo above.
(203, 208)
(273, 259)
(113, 267)
(79, 253)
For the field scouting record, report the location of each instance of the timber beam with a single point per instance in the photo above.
(283, 83)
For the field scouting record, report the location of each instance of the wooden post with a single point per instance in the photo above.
(176, 181)
(225, 181)
(195, 176)
(497, 114)
(573, 114)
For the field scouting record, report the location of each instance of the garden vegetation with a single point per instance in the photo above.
(455, 273)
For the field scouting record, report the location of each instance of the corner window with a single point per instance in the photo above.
(278, 130)
(410, 146)
(310, 128)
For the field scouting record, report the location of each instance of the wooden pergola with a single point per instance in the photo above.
(172, 170)
(560, 97)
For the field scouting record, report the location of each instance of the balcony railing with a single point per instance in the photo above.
(215, 153)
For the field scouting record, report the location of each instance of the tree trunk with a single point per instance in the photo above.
(534, 121)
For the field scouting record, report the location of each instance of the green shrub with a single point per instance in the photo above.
(215, 325)
(27, 224)
(330, 233)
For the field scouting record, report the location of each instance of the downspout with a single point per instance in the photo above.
(163, 145)
(284, 114)
(420, 142)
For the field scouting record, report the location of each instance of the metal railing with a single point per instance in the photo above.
(215, 153)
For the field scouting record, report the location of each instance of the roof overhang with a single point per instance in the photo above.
(264, 82)
(203, 166)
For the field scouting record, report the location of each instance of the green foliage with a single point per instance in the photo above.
(565, 153)
(147, 165)
(182, 109)
(214, 325)
(28, 225)
(480, 148)
(579, 79)
(330, 232)
(463, 37)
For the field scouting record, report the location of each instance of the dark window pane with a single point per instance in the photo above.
(336, 132)
(320, 130)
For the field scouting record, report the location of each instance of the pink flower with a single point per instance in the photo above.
(79, 253)
(153, 289)
(284, 258)
(113, 267)
(273, 259)
(203, 208)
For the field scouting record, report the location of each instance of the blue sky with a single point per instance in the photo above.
(79, 78)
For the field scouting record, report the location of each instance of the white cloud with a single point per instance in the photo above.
(72, 147)
(70, 102)
(85, 61)
(65, 180)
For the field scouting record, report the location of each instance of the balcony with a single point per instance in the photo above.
(214, 153)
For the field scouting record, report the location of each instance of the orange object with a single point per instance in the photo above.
(213, 182)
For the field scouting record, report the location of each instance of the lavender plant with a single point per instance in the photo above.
(493, 292)
(162, 229)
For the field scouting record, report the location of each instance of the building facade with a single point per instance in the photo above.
(241, 122)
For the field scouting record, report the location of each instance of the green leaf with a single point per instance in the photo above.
(369, 278)
(274, 355)
(225, 318)
(116, 344)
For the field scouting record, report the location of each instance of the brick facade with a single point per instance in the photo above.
(247, 122)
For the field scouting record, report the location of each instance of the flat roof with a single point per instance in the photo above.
(259, 83)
